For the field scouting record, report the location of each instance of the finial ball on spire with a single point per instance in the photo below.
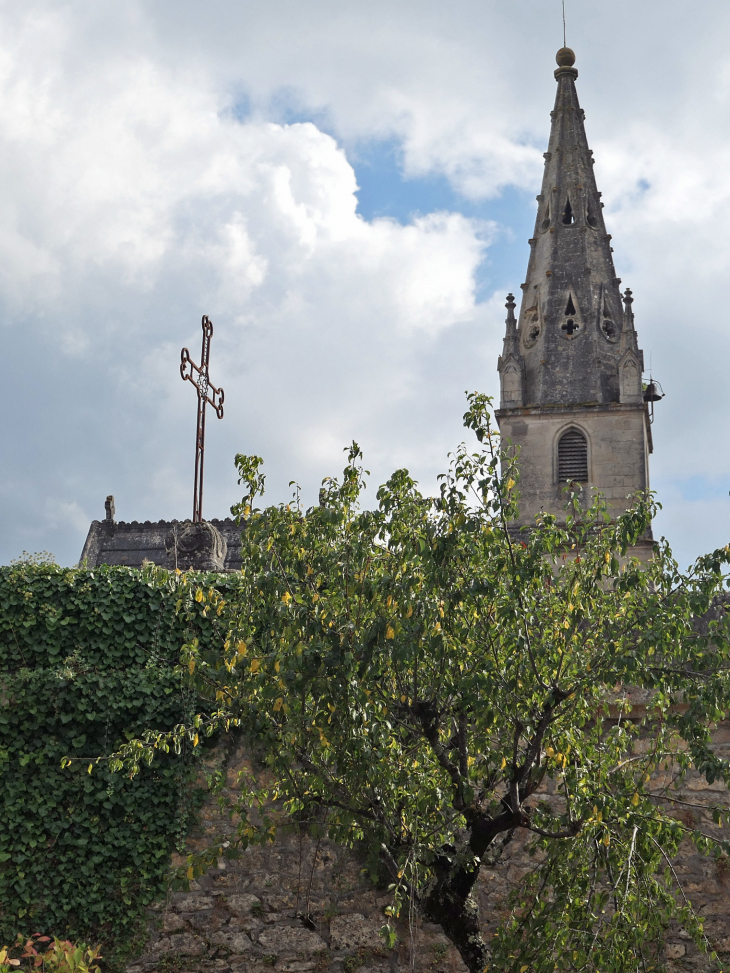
(565, 57)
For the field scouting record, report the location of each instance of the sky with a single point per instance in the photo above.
(346, 189)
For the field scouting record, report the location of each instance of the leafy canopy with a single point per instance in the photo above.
(441, 684)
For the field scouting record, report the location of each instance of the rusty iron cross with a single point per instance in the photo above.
(207, 393)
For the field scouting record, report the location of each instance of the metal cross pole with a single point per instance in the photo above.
(207, 393)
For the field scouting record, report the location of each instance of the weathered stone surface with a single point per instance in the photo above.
(354, 931)
(236, 942)
(193, 902)
(290, 939)
(183, 944)
(172, 922)
(243, 903)
(200, 546)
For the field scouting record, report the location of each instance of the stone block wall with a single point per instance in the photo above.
(618, 450)
(301, 905)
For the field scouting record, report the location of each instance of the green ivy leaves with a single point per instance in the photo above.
(88, 660)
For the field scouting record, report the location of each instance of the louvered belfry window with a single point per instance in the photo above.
(573, 457)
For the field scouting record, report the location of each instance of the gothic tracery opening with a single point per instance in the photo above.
(570, 325)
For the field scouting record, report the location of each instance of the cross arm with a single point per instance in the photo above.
(190, 372)
(217, 399)
(185, 361)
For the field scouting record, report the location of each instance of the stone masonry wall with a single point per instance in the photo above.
(243, 916)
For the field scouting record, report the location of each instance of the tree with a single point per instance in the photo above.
(439, 681)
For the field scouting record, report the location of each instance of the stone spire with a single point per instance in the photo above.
(511, 364)
(572, 405)
(574, 337)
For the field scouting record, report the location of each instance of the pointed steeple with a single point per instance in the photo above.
(572, 322)
(572, 405)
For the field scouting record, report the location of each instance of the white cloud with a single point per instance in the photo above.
(134, 202)
(150, 172)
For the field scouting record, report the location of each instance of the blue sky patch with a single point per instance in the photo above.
(703, 487)
(386, 192)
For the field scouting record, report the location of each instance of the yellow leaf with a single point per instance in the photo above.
(255, 663)
(89, 770)
(599, 817)
(504, 763)
(331, 708)
(510, 484)
(549, 751)
(315, 597)
(607, 840)
(607, 557)
(190, 873)
(402, 699)
(195, 740)
(286, 597)
(277, 666)
(199, 595)
(191, 666)
(390, 632)
(410, 611)
(389, 600)
(242, 649)
(635, 799)
(278, 704)
(522, 968)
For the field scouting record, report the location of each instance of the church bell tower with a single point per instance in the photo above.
(571, 369)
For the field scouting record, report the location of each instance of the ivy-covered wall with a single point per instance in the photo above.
(87, 660)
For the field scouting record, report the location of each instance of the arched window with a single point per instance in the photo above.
(573, 457)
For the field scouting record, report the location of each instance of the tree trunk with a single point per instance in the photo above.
(451, 905)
